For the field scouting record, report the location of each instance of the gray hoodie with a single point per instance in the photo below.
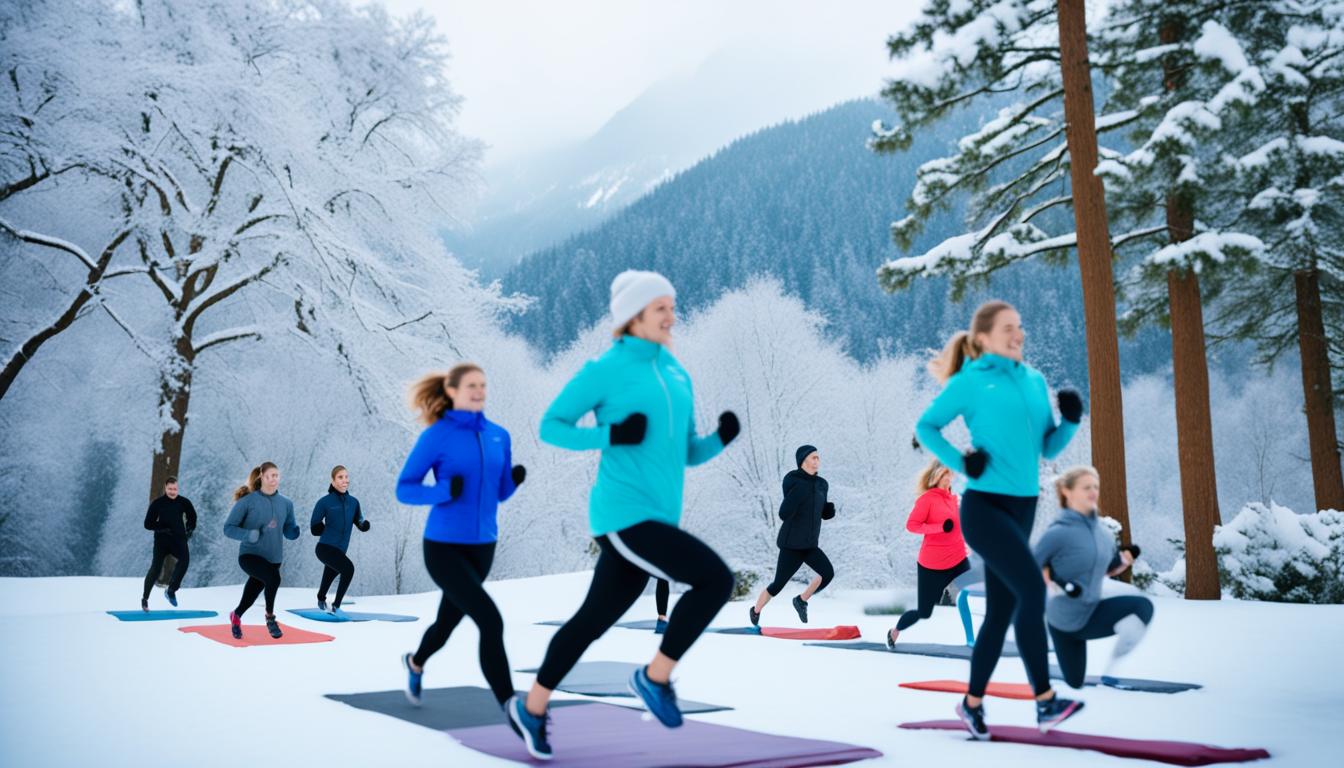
(257, 520)
(1080, 549)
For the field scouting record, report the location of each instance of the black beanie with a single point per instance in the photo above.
(802, 453)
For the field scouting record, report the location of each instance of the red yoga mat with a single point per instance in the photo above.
(843, 632)
(997, 690)
(1172, 752)
(256, 634)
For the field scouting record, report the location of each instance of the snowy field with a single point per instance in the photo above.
(79, 688)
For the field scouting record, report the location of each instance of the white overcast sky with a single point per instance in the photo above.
(537, 73)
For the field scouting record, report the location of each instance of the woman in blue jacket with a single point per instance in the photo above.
(473, 468)
(1006, 407)
(333, 517)
(645, 429)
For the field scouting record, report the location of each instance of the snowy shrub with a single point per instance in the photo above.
(744, 584)
(1268, 552)
(1112, 525)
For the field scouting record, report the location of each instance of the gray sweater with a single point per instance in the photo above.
(1080, 549)
(257, 520)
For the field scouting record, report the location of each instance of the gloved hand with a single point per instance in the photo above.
(974, 462)
(1070, 405)
(362, 525)
(631, 431)
(729, 427)
(519, 474)
(947, 525)
(319, 527)
(455, 485)
(254, 535)
(827, 511)
(1071, 588)
(914, 442)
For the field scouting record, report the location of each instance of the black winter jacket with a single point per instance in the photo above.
(804, 500)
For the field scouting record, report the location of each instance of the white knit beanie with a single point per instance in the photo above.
(632, 291)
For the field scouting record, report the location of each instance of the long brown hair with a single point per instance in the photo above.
(962, 345)
(930, 476)
(428, 396)
(253, 480)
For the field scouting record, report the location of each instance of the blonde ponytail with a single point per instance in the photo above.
(428, 396)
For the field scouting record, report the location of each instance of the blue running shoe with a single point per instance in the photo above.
(412, 680)
(660, 627)
(531, 727)
(171, 597)
(658, 698)
(1052, 712)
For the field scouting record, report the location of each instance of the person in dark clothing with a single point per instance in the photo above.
(804, 507)
(172, 518)
(260, 516)
(333, 517)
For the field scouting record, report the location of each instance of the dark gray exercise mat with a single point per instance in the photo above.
(461, 706)
(1132, 683)
(736, 631)
(642, 624)
(918, 649)
(611, 678)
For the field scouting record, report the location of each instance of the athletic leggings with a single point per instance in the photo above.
(1071, 647)
(997, 527)
(460, 570)
(165, 545)
(262, 574)
(335, 563)
(790, 560)
(661, 592)
(628, 557)
(931, 584)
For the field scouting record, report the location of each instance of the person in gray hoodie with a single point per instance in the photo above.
(1076, 554)
(333, 517)
(260, 515)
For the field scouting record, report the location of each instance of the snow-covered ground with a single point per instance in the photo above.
(79, 688)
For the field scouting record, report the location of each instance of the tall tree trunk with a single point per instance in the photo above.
(1316, 392)
(174, 397)
(1094, 262)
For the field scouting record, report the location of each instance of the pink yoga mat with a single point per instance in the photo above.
(256, 634)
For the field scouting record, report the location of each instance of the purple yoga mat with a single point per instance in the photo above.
(614, 737)
(1173, 752)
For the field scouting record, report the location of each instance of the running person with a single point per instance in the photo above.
(942, 555)
(472, 461)
(1006, 407)
(259, 517)
(172, 518)
(1077, 553)
(333, 517)
(645, 428)
(803, 509)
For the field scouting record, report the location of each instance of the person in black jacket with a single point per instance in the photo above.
(802, 511)
(172, 518)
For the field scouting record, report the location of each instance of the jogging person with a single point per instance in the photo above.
(804, 507)
(334, 515)
(943, 554)
(172, 518)
(260, 516)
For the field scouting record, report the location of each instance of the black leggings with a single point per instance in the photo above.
(460, 570)
(997, 527)
(930, 588)
(661, 593)
(165, 545)
(335, 563)
(1071, 647)
(790, 560)
(262, 574)
(623, 568)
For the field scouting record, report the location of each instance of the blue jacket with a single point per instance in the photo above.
(461, 443)
(338, 512)
(1006, 407)
(635, 483)
(258, 520)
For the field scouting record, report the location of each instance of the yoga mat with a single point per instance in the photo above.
(316, 614)
(612, 678)
(998, 690)
(462, 706)
(641, 624)
(256, 634)
(842, 632)
(1172, 752)
(612, 737)
(161, 615)
(735, 630)
(918, 649)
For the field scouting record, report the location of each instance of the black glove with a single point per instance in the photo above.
(362, 525)
(914, 442)
(1070, 405)
(455, 485)
(947, 525)
(519, 474)
(1071, 588)
(729, 427)
(631, 431)
(827, 511)
(319, 527)
(975, 462)
(1132, 549)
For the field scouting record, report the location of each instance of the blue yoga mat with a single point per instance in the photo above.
(317, 614)
(161, 615)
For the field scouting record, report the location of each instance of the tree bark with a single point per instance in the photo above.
(1317, 392)
(1094, 263)
(174, 399)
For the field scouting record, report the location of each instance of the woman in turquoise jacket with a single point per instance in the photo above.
(1006, 407)
(645, 430)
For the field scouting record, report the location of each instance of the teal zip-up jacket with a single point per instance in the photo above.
(635, 483)
(1006, 407)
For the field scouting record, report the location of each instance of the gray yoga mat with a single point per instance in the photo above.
(939, 650)
(462, 706)
(611, 678)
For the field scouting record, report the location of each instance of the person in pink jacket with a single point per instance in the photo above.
(942, 556)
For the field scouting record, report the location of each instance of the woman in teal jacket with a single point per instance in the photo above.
(1006, 406)
(645, 429)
